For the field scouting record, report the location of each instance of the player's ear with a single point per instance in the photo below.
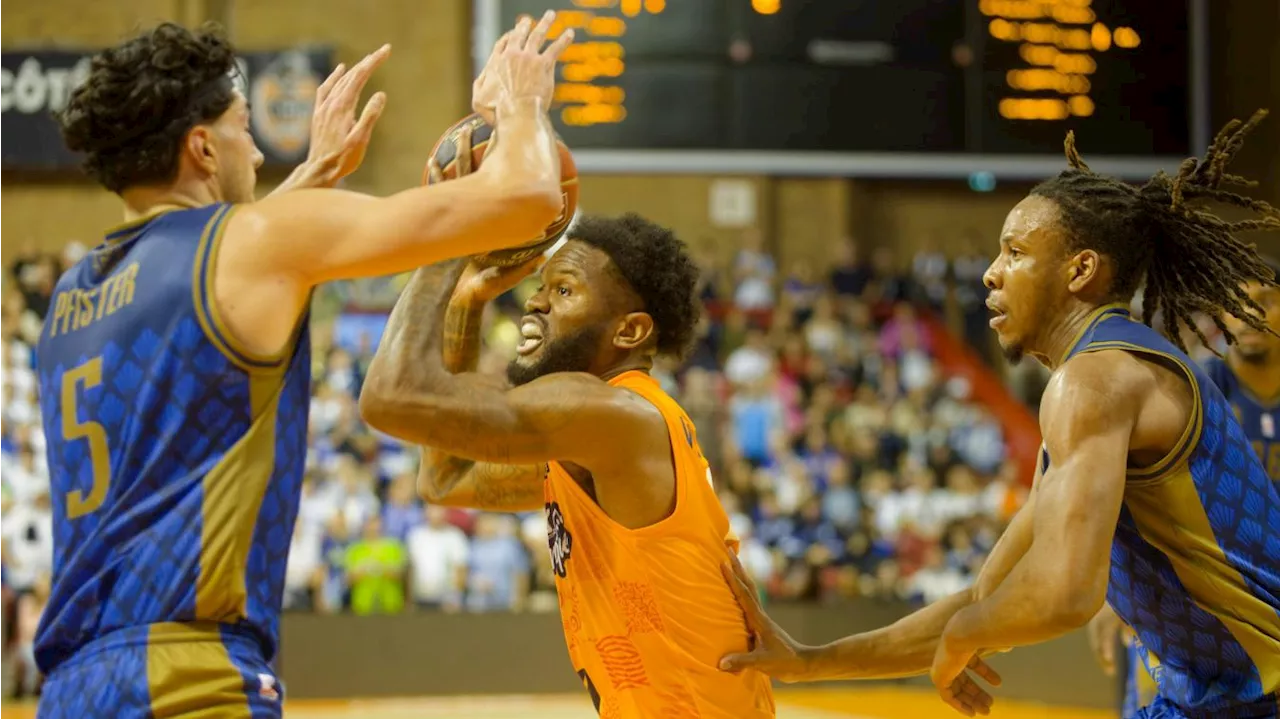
(1084, 269)
(634, 331)
(200, 150)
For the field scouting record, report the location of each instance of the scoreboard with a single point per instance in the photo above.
(907, 83)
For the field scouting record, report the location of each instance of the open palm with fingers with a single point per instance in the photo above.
(773, 651)
(520, 67)
(951, 676)
(339, 140)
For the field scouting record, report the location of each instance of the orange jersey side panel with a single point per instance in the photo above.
(646, 612)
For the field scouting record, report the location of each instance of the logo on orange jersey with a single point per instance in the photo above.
(558, 539)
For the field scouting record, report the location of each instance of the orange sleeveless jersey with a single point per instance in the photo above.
(646, 612)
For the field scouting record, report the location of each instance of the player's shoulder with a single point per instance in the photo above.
(1115, 372)
(1096, 387)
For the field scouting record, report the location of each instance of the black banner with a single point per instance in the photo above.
(279, 85)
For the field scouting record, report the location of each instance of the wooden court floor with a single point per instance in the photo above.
(808, 703)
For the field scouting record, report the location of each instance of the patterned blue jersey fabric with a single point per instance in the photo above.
(175, 456)
(1258, 417)
(1195, 564)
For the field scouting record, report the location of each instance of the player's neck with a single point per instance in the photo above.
(1062, 334)
(1260, 378)
(143, 202)
(633, 365)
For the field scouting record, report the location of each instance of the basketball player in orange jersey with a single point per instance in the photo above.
(636, 532)
(175, 365)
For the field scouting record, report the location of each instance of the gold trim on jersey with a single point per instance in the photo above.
(1171, 518)
(1090, 322)
(1190, 434)
(190, 673)
(207, 313)
(233, 492)
(116, 233)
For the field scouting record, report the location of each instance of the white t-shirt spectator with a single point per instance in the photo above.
(747, 365)
(436, 555)
(28, 539)
(931, 584)
(304, 559)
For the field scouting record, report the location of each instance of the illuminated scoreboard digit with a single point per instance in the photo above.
(587, 93)
(1117, 72)
(1056, 40)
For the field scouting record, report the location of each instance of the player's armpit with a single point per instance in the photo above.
(455, 482)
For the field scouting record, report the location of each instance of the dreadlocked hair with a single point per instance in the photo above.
(1191, 258)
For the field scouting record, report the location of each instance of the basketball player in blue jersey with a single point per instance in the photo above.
(1249, 378)
(175, 364)
(1147, 492)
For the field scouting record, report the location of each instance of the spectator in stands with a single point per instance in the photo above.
(30, 607)
(754, 270)
(849, 275)
(438, 557)
(497, 579)
(401, 512)
(28, 539)
(375, 566)
(929, 271)
(305, 572)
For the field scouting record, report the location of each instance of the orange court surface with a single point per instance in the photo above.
(872, 702)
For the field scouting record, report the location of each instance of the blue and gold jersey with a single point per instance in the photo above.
(1258, 417)
(1195, 564)
(175, 456)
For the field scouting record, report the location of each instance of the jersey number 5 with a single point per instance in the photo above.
(90, 375)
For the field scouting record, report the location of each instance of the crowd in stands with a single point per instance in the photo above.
(849, 464)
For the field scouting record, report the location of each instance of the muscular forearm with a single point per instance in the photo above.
(1037, 602)
(901, 649)
(409, 355)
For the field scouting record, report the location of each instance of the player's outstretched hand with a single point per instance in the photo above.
(773, 651)
(480, 284)
(519, 67)
(338, 140)
(1104, 635)
(950, 674)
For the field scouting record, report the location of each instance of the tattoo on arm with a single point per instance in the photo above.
(450, 480)
(462, 336)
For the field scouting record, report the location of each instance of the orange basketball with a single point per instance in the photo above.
(459, 152)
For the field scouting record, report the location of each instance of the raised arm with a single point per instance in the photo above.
(271, 253)
(450, 480)
(1090, 408)
(564, 416)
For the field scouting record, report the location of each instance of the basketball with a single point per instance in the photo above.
(459, 152)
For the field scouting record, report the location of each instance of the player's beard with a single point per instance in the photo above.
(574, 353)
(1014, 353)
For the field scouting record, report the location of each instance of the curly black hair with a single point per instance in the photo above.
(140, 99)
(1191, 258)
(657, 266)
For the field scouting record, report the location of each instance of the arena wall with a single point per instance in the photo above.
(332, 657)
